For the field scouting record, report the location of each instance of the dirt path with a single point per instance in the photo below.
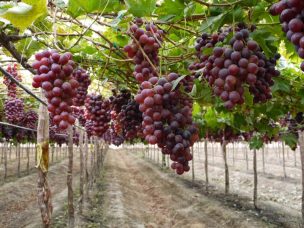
(139, 195)
(18, 206)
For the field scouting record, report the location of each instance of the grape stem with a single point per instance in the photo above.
(217, 4)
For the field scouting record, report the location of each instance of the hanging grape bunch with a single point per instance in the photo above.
(30, 119)
(117, 101)
(146, 41)
(83, 78)
(230, 68)
(291, 18)
(79, 113)
(11, 86)
(54, 76)
(130, 119)
(99, 112)
(14, 110)
(167, 120)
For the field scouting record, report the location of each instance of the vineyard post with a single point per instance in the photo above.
(212, 148)
(28, 158)
(91, 161)
(193, 173)
(5, 159)
(246, 155)
(206, 163)
(255, 179)
(42, 161)
(295, 157)
(233, 154)
(81, 182)
(10, 151)
(86, 164)
(53, 150)
(71, 217)
(263, 158)
(224, 151)
(35, 147)
(18, 150)
(2, 153)
(301, 144)
(283, 154)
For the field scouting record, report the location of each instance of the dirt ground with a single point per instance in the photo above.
(138, 194)
(18, 204)
(135, 191)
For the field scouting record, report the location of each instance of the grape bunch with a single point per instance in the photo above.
(291, 17)
(167, 119)
(166, 114)
(79, 113)
(111, 137)
(14, 110)
(83, 78)
(11, 86)
(30, 119)
(145, 41)
(54, 76)
(117, 101)
(99, 112)
(228, 69)
(130, 119)
(89, 127)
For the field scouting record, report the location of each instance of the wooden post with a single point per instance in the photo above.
(86, 148)
(301, 144)
(28, 159)
(255, 179)
(18, 151)
(193, 174)
(246, 155)
(233, 154)
(71, 217)
(263, 158)
(295, 157)
(81, 182)
(224, 151)
(5, 159)
(53, 150)
(283, 154)
(42, 158)
(206, 163)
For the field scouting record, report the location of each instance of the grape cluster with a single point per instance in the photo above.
(54, 76)
(83, 78)
(130, 119)
(227, 69)
(111, 137)
(11, 86)
(79, 113)
(167, 120)
(14, 110)
(30, 119)
(117, 101)
(89, 127)
(166, 114)
(146, 42)
(292, 19)
(99, 112)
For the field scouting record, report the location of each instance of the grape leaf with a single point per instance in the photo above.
(25, 13)
(141, 8)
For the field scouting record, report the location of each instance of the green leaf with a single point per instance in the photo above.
(290, 140)
(141, 8)
(211, 21)
(280, 85)
(81, 7)
(256, 142)
(177, 81)
(25, 13)
(171, 9)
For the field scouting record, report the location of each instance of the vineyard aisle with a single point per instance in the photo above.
(139, 195)
(18, 202)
